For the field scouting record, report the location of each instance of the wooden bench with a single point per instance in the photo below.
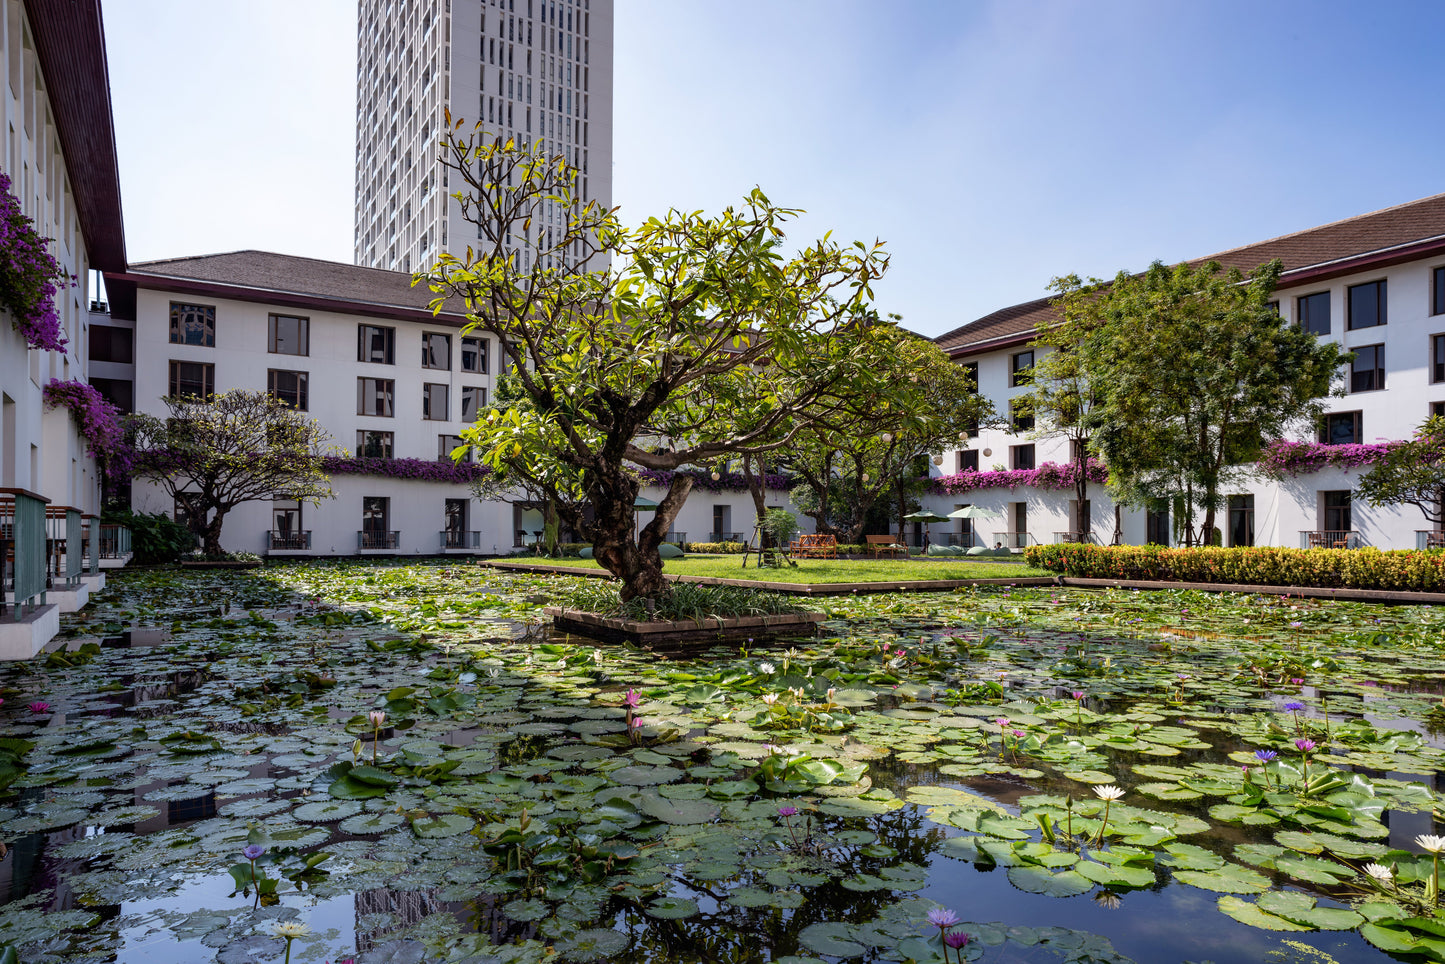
(882, 544)
(816, 545)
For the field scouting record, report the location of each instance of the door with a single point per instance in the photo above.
(456, 523)
(1241, 520)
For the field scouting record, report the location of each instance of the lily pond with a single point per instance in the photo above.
(405, 763)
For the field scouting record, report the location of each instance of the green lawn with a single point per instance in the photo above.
(828, 570)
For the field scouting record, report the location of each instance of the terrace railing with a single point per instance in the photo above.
(288, 540)
(114, 541)
(92, 544)
(676, 538)
(377, 539)
(461, 539)
(1330, 539)
(1015, 540)
(26, 565)
(724, 537)
(1076, 537)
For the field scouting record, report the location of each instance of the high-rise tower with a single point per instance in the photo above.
(526, 69)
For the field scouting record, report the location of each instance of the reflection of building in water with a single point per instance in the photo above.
(399, 909)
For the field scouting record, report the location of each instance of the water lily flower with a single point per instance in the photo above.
(252, 852)
(1430, 842)
(956, 939)
(1295, 625)
(1380, 872)
(1108, 791)
(787, 811)
(377, 718)
(39, 706)
(290, 929)
(1018, 733)
(941, 918)
(1296, 680)
(1002, 721)
(1305, 745)
(1265, 756)
(1078, 694)
(831, 690)
(766, 668)
(632, 699)
(597, 656)
(770, 698)
(1294, 707)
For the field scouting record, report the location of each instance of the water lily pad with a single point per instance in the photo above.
(326, 811)
(830, 940)
(671, 908)
(596, 944)
(442, 825)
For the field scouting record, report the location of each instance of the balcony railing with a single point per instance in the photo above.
(1330, 539)
(1076, 537)
(92, 544)
(676, 538)
(724, 537)
(461, 539)
(23, 549)
(952, 538)
(288, 540)
(1014, 540)
(114, 542)
(1429, 539)
(377, 539)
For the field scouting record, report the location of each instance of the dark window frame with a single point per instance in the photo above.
(301, 392)
(208, 379)
(1018, 374)
(1437, 291)
(363, 394)
(1437, 358)
(445, 444)
(1016, 456)
(1306, 319)
(480, 401)
(1380, 308)
(967, 460)
(178, 336)
(1356, 422)
(303, 334)
(386, 441)
(1372, 378)
(1020, 421)
(427, 351)
(429, 391)
(479, 349)
(364, 351)
(106, 338)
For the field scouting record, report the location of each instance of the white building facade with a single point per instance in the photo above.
(1375, 284)
(59, 152)
(357, 350)
(527, 70)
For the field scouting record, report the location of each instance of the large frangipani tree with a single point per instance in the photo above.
(686, 340)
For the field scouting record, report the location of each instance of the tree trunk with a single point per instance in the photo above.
(212, 535)
(1081, 490)
(637, 563)
(549, 527)
(757, 488)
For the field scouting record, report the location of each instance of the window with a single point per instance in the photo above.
(289, 387)
(434, 402)
(972, 369)
(968, 460)
(1021, 456)
(456, 522)
(374, 395)
(436, 351)
(1019, 368)
(285, 518)
(474, 355)
(376, 522)
(288, 335)
(1437, 292)
(1314, 312)
(1336, 514)
(373, 445)
(1342, 428)
(1241, 520)
(193, 325)
(112, 344)
(1156, 527)
(120, 392)
(374, 344)
(1367, 305)
(474, 399)
(1021, 414)
(445, 444)
(193, 379)
(1367, 371)
(1437, 409)
(1437, 358)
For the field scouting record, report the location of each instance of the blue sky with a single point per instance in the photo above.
(992, 145)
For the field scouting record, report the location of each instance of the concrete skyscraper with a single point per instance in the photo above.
(526, 69)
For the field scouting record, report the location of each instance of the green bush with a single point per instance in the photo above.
(1404, 570)
(716, 548)
(155, 538)
(685, 601)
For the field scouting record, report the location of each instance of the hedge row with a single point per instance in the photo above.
(1406, 570)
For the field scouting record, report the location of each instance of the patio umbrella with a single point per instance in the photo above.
(972, 512)
(926, 516)
(645, 504)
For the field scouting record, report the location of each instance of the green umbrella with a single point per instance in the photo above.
(643, 503)
(926, 516)
(972, 512)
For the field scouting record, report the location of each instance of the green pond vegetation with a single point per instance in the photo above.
(827, 570)
(401, 763)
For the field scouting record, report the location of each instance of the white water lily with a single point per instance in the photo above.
(1431, 843)
(1380, 872)
(597, 656)
(290, 929)
(1108, 792)
(770, 698)
(766, 668)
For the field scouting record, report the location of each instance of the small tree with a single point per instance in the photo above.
(1411, 473)
(1193, 370)
(213, 454)
(688, 340)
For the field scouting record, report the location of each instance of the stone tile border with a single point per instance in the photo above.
(1396, 596)
(664, 634)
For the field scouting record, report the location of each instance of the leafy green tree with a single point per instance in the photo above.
(1411, 473)
(685, 341)
(846, 465)
(1192, 372)
(213, 454)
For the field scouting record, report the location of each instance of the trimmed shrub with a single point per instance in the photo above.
(716, 548)
(1405, 570)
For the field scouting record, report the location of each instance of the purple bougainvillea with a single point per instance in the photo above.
(97, 419)
(1049, 475)
(29, 276)
(1283, 458)
(725, 482)
(420, 470)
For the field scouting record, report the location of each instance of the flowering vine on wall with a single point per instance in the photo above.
(1049, 475)
(1283, 458)
(97, 419)
(29, 276)
(725, 482)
